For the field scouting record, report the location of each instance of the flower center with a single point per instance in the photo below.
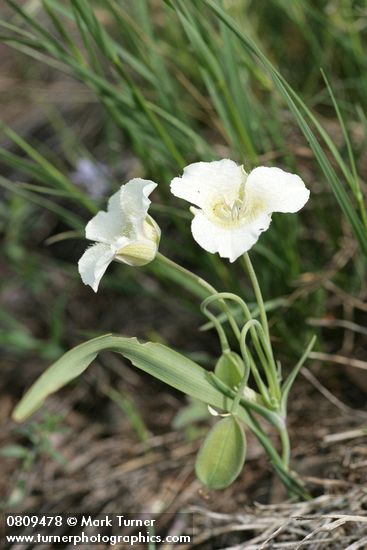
(232, 212)
(229, 212)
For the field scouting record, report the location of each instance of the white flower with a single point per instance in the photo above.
(235, 207)
(125, 232)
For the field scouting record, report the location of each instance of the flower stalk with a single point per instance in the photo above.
(231, 209)
(272, 408)
(271, 367)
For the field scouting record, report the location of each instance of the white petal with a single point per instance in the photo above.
(274, 190)
(134, 201)
(93, 264)
(105, 226)
(126, 212)
(228, 242)
(205, 182)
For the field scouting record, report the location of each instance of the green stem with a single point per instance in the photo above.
(264, 324)
(248, 317)
(280, 463)
(258, 295)
(251, 326)
(239, 392)
(221, 333)
(294, 486)
(286, 387)
(246, 354)
(259, 381)
(270, 416)
(205, 285)
(286, 449)
(274, 382)
(221, 298)
(240, 389)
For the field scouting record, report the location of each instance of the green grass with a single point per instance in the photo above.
(178, 81)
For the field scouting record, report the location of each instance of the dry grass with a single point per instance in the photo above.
(107, 469)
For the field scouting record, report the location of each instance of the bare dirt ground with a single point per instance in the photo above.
(101, 465)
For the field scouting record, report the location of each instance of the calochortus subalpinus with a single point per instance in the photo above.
(125, 233)
(231, 209)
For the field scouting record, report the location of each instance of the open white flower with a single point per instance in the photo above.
(235, 207)
(125, 232)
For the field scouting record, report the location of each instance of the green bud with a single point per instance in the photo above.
(144, 250)
(222, 455)
(230, 369)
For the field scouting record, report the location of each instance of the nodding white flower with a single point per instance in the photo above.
(125, 232)
(235, 207)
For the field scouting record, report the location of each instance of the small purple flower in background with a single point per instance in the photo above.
(94, 177)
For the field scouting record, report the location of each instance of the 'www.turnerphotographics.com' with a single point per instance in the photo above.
(86, 529)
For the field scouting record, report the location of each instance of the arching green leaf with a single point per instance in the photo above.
(163, 363)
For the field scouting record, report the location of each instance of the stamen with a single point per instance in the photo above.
(230, 212)
(236, 209)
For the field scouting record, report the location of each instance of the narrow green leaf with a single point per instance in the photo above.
(71, 219)
(160, 361)
(15, 451)
(54, 174)
(163, 267)
(286, 387)
(297, 107)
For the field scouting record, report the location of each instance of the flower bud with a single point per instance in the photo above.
(222, 454)
(144, 250)
(230, 369)
(125, 232)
